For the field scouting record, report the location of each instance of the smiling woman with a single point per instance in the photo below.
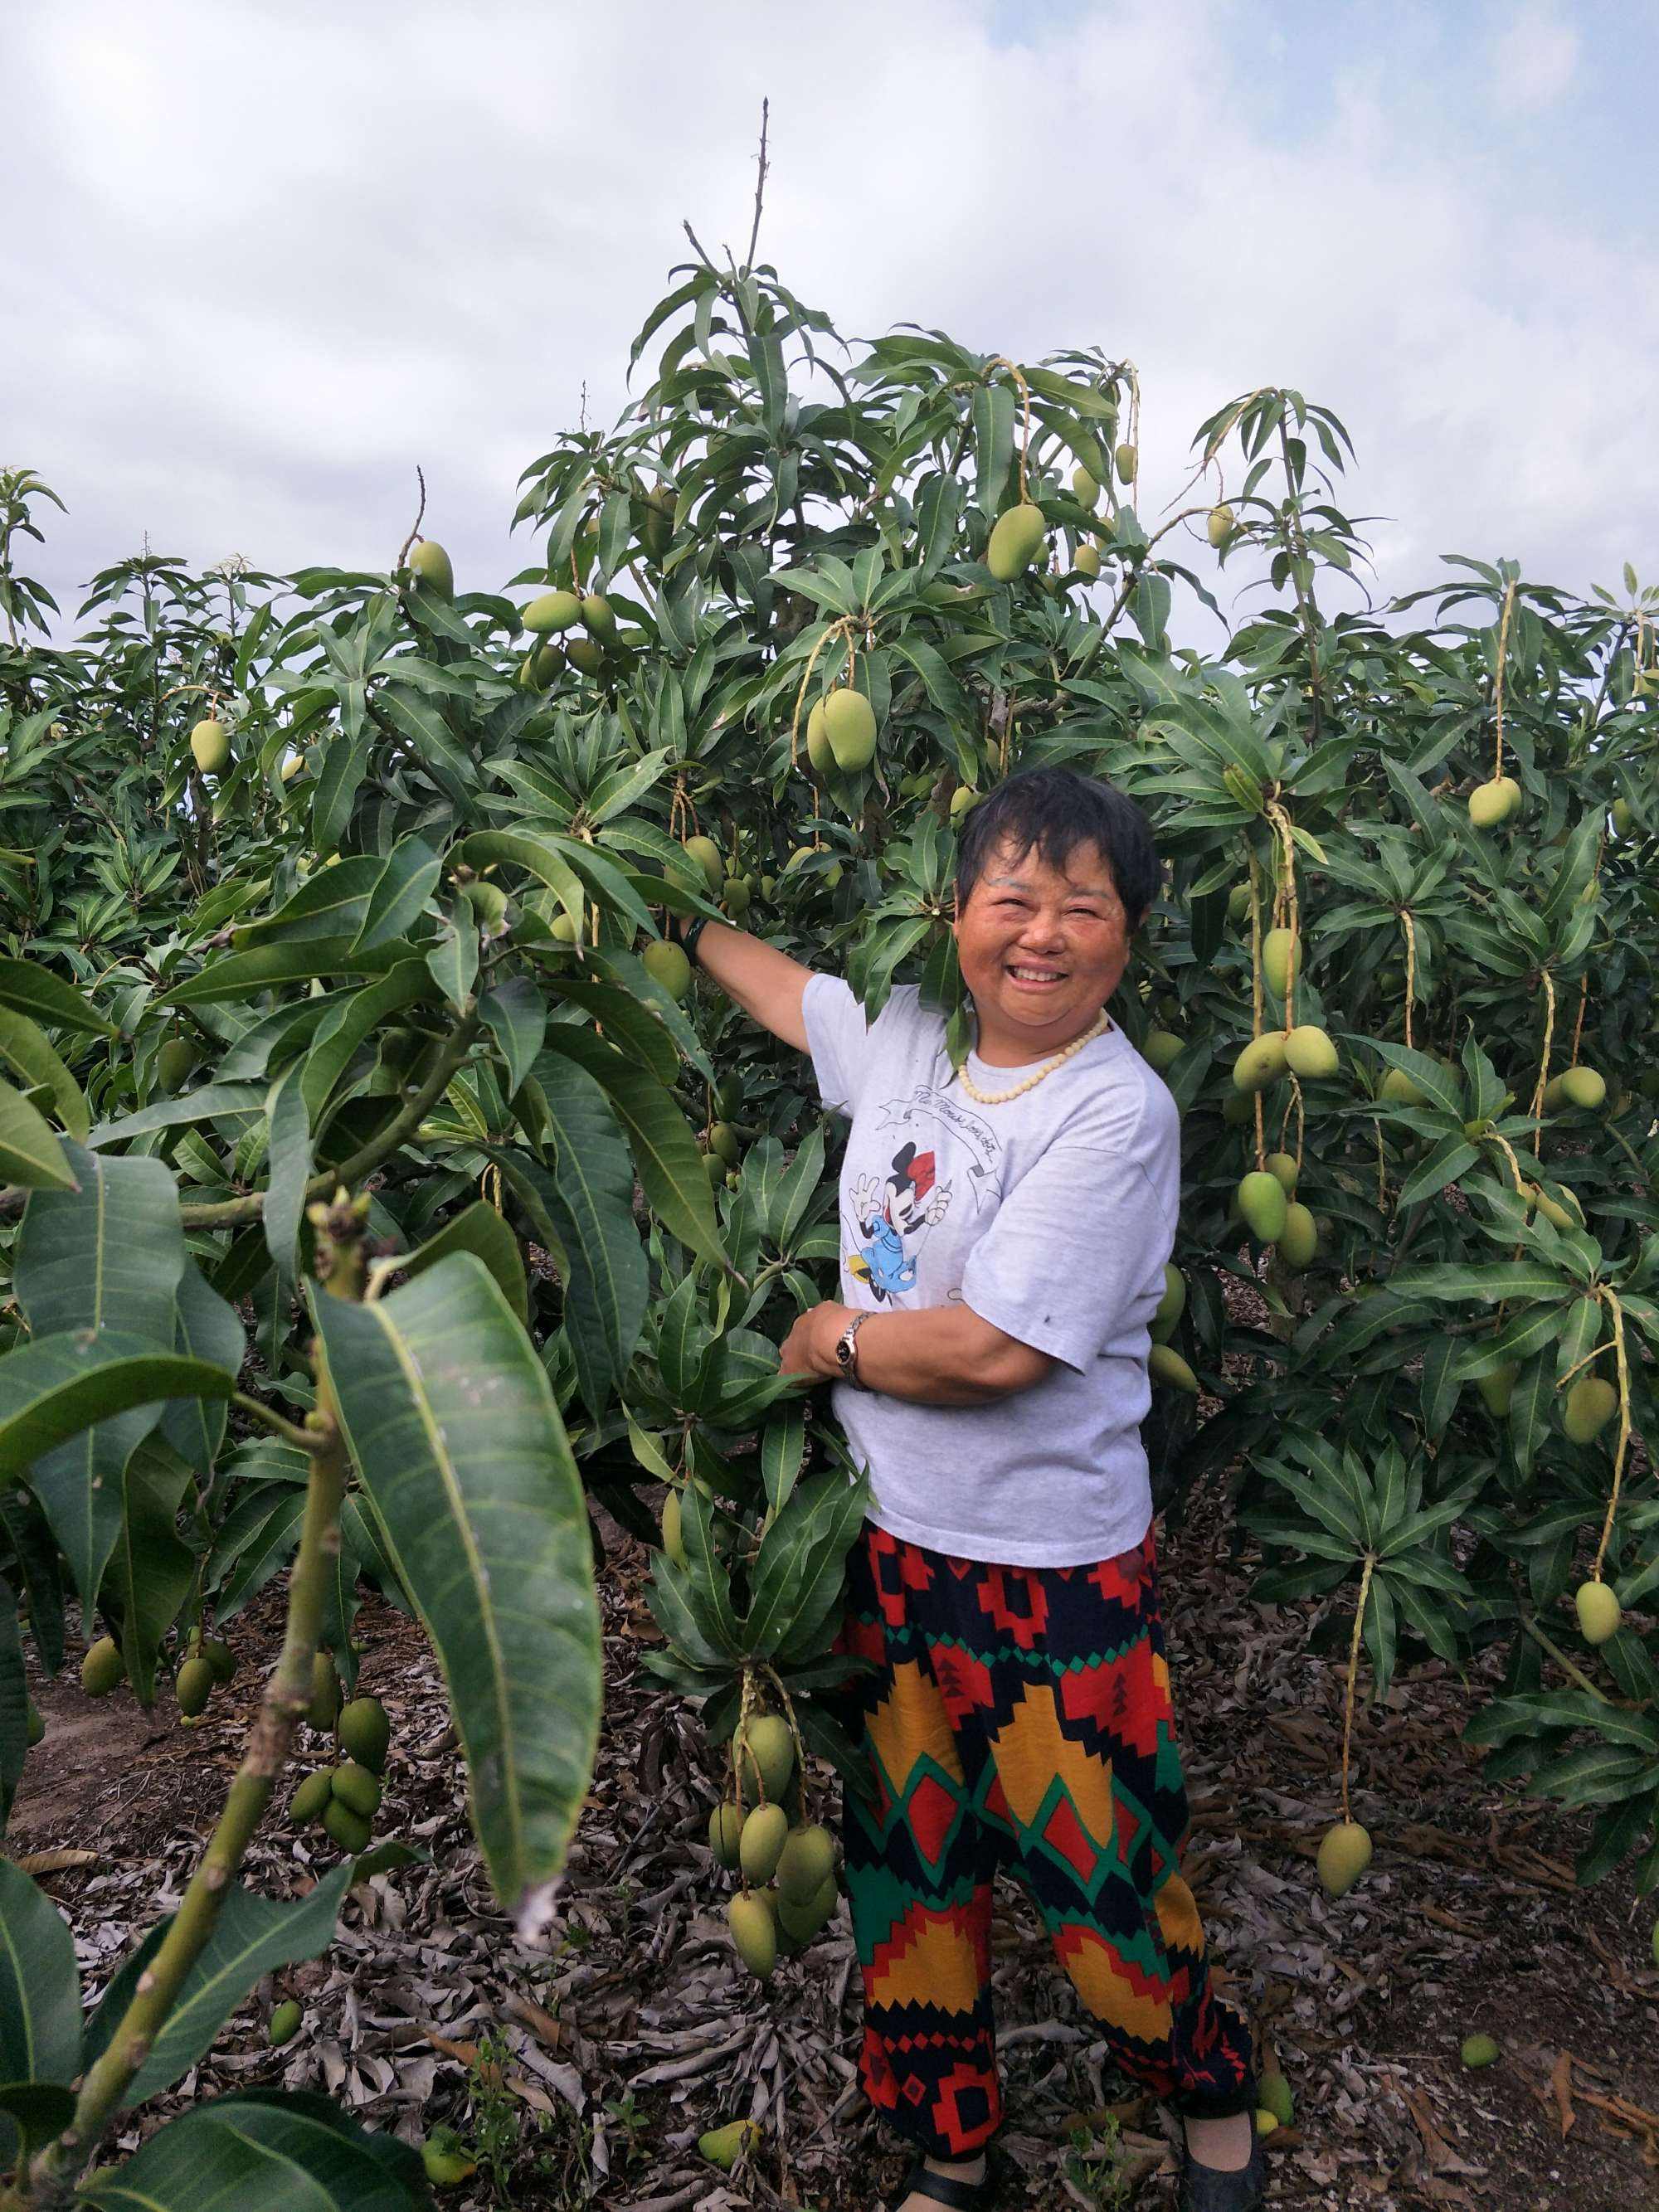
(1004, 1232)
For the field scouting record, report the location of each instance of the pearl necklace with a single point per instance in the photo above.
(1101, 1023)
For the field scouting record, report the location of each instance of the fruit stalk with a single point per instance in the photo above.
(1353, 1670)
(287, 1695)
(369, 1156)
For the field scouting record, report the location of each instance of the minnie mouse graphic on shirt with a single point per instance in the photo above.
(887, 1214)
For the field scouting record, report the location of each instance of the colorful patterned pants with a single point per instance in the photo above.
(1019, 1717)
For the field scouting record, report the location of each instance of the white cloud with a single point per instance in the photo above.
(1534, 57)
(276, 255)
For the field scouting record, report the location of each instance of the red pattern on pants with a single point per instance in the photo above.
(1019, 1717)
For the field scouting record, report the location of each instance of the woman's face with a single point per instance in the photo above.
(1042, 949)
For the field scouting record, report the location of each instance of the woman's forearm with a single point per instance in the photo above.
(766, 983)
(940, 1356)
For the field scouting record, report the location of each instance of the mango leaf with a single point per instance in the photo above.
(263, 2152)
(345, 1027)
(35, 991)
(452, 962)
(479, 1229)
(207, 1327)
(329, 903)
(149, 1570)
(30, 1154)
(671, 1168)
(290, 1165)
(52, 1387)
(108, 1255)
(26, 1047)
(40, 1985)
(451, 1420)
(405, 882)
(209, 1102)
(516, 1014)
(252, 1936)
(589, 1192)
(537, 854)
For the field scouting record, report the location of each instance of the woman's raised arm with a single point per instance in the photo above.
(765, 982)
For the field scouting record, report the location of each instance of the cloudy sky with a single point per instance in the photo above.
(263, 256)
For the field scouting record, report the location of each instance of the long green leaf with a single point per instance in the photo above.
(50, 1389)
(30, 1154)
(671, 1169)
(39, 1986)
(258, 2153)
(452, 1422)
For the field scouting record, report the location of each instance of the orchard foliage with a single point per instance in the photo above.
(379, 1189)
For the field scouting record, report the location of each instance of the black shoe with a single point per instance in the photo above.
(1207, 2189)
(943, 2189)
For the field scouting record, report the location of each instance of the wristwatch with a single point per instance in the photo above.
(846, 1354)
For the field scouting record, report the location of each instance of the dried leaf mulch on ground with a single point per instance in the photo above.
(634, 2028)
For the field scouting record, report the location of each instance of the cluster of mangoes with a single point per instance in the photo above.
(790, 1889)
(841, 730)
(345, 1799)
(209, 1661)
(554, 614)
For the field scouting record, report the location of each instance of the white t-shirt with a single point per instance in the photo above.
(1051, 1216)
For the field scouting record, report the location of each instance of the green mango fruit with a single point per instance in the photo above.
(1622, 818)
(726, 1835)
(1238, 902)
(1220, 526)
(667, 962)
(357, 1787)
(1015, 536)
(1498, 1388)
(1128, 461)
(817, 741)
(174, 1065)
(552, 612)
(849, 724)
(1237, 1109)
(1086, 488)
(730, 1098)
(1583, 1087)
(1166, 1364)
(1310, 1052)
(34, 1726)
(765, 1831)
(1261, 1063)
(219, 1657)
(1479, 2051)
(723, 2147)
(350, 1830)
(1086, 562)
(210, 743)
(1267, 2123)
(586, 653)
(766, 1757)
(1344, 1854)
(365, 1733)
(1262, 1203)
(962, 799)
(1398, 1089)
(285, 2024)
(673, 1542)
(1591, 1404)
(325, 1707)
(598, 617)
(431, 565)
(1283, 1168)
(736, 897)
(1599, 1612)
(445, 2159)
(310, 1801)
(1299, 1240)
(1492, 804)
(193, 1685)
(1281, 958)
(1162, 1049)
(705, 854)
(562, 930)
(102, 1667)
(1173, 1302)
(802, 1922)
(754, 1932)
(1274, 2091)
(806, 1862)
(723, 1139)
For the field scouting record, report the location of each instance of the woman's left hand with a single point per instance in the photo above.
(809, 1348)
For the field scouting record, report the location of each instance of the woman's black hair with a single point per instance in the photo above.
(1057, 810)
